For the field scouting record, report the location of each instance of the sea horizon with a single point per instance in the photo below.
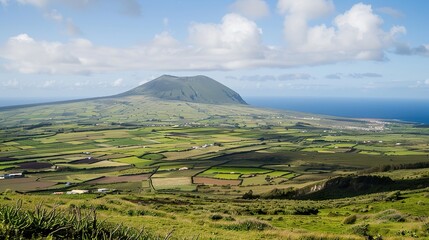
(407, 110)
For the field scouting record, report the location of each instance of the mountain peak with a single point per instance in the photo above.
(201, 89)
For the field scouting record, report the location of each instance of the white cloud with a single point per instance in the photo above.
(37, 3)
(420, 84)
(308, 9)
(294, 76)
(81, 84)
(79, 4)
(71, 29)
(334, 76)
(29, 56)
(48, 83)
(356, 34)
(10, 83)
(165, 22)
(234, 32)
(405, 49)
(298, 13)
(353, 75)
(251, 8)
(118, 82)
(365, 75)
(258, 78)
(234, 43)
(391, 11)
(54, 15)
(281, 77)
(44, 3)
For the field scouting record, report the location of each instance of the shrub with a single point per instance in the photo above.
(249, 225)
(350, 219)
(216, 217)
(361, 229)
(393, 196)
(425, 227)
(391, 215)
(305, 210)
(101, 207)
(17, 223)
(249, 195)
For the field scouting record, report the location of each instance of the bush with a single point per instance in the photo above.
(249, 225)
(391, 215)
(393, 196)
(350, 219)
(249, 195)
(305, 210)
(216, 217)
(425, 227)
(17, 223)
(101, 207)
(362, 229)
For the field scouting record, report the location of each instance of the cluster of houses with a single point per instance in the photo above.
(203, 146)
(79, 191)
(12, 175)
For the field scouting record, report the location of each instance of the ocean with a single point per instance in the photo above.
(410, 110)
(398, 109)
(22, 101)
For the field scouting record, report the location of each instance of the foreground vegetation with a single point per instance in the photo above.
(18, 223)
(188, 170)
(390, 215)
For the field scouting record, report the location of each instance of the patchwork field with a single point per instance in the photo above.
(220, 172)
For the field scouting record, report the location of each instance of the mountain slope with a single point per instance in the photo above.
(199, 89)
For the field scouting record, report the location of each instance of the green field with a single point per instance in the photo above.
(261, 174)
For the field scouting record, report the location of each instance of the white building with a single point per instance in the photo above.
(76, 191)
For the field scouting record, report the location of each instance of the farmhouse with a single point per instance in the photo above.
(102, 190)
(12, 175)
(76, 191)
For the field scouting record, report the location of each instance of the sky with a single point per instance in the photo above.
(65, 49)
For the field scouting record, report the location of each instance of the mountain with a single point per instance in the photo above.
(198, 89)
(167, 100)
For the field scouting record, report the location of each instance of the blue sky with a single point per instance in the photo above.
(63, 49)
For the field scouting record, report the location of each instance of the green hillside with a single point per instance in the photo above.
(188, 169)
(199, 89)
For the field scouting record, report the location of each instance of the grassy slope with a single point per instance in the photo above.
(189, 217)
(128, 129)
(200, 89)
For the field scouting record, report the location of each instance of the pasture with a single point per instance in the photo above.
(212, 171)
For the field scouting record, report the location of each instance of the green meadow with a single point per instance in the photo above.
(201, 171)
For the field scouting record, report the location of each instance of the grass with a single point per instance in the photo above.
(162, 183)
(17, 223)
(101, 164)
(153, 156)
(236, 170)
(260, 149)
(275, 174)
(227, 175)
(191, 216)
(135, 161)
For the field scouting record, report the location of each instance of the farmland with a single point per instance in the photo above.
(216, 171)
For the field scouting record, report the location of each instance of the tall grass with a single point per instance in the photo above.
(41, 223)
